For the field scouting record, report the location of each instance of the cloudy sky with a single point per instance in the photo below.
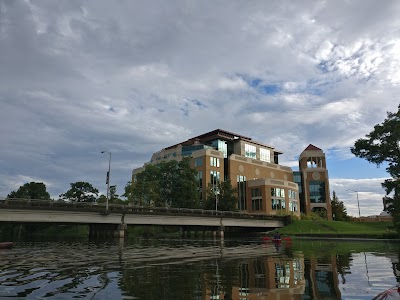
(132, 77)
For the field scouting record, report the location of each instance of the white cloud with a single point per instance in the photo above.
(132, 78)
(370, 194)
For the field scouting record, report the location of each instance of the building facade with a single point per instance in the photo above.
(264, 186)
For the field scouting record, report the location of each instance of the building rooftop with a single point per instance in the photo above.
(311, 147)
(219, 134)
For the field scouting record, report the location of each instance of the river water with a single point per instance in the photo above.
(199, 269)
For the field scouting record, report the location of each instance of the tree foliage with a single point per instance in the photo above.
(169, 184)
(382, 146)
(81, 192)
(31, 190)
(339, 211)
(226, 197)
(128, 192)
(114, 197)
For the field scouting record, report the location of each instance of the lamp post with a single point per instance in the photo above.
(358, 203)
(108, 177)
(216, 191)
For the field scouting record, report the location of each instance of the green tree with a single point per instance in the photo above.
(382, 146)
(31, 190)
(170, 183)
(183, 192)
(146, 189)
(226, 197)
(113, 194)
(81, 192)
(102, 199)
(339, 211)
(128, 192)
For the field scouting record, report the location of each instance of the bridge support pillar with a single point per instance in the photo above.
(119, 232)
(107, 230)
(220, 231)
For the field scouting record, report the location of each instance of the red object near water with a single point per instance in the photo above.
(6, 245)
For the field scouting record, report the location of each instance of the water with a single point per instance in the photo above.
(199, 269)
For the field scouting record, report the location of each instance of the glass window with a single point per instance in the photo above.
(275, 204)
(265, 155)
(317, 191)
(283, 204)
(241, 186)
(198, 161)
(214, 162)
(250, 151)
(277, 192)
(293, 206)
(215, 178)
(256, 192)
(278, 204)
(221, 146)
(256, 204)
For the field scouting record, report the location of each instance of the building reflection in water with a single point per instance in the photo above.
(278, 277)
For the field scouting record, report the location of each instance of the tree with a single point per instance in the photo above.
(226, 197)
(183, 191)
(146, 189)
(80, 192)
(113, 194)
(128, 192)
(170, 184)
(382, 145)
(339, 211)
(32, 190)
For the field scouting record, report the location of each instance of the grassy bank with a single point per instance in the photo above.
(340, 229)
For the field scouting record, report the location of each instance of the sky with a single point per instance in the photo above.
(133, 77)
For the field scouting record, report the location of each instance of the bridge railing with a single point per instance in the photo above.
(126, 208)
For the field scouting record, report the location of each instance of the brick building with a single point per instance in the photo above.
(264, 186)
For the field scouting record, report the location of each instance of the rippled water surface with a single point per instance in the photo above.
(199, 269)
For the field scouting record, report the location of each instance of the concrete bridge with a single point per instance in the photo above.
(118, 217)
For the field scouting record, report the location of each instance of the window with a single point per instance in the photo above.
(259, 274)
(214, 162)
(317, 191)
(168, 155)
(241, 186)
(200, 181)
(221, 146)
(278, 204)
(214, 178)
(293, 206)
(283, 204)
(265, 155)
(256, 204)
(198, 161)
(277, 192)
(291, 194)
(256, 199)
(282, 275)
(249, 151)
(256, 192)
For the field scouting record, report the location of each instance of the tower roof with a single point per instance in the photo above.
(311, 147)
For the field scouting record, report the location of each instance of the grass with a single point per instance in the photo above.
(339, 229)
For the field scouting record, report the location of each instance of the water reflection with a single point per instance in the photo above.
(197, 269)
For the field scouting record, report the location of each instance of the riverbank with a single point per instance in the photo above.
(340, 229)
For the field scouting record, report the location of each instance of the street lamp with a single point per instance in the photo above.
(108, 177)
(216, 192)
(358, 203)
